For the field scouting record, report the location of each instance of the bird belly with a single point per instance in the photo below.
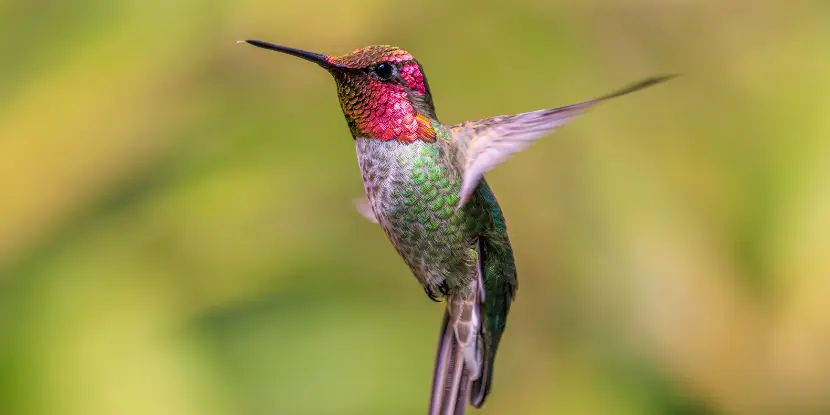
(413, 189)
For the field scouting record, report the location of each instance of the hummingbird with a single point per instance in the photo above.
(424, 186)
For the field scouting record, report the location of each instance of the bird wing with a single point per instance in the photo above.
(364, 206)
(491, 141)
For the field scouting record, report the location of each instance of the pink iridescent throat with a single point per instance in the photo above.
(383, 110)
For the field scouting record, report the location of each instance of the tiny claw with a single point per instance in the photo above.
(443, 288)
(430, 294)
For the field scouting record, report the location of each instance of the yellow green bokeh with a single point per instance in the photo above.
(178, 235)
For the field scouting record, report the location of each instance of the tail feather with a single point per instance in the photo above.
(498, 276)
(450, 383)
(480, 388)
(467, 346)
(443, 363)
(461, 396)
(455, 400)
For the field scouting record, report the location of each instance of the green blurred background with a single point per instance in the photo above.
(177, 234)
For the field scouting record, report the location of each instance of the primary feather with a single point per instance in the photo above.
(492, 140)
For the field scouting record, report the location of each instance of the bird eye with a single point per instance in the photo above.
(384, 71)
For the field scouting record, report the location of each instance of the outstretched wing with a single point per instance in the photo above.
(490, 141)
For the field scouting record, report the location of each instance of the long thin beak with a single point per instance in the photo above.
(317, 58)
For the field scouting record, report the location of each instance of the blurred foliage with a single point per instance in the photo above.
(177, 233)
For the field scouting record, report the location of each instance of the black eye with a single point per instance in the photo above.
(384, 71)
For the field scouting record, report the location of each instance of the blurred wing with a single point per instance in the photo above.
(493, 140)
(365, 208)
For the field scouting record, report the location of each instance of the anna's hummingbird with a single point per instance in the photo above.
(425, 187)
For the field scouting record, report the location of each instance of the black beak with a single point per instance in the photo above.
(317, 58)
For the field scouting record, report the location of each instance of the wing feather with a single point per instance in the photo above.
(364, 206)
(491, 141)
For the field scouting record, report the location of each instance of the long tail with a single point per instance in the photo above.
(449, 381)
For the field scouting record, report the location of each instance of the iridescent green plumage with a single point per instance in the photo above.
(413, 189)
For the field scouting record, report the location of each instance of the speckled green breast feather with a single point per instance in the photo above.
(413, 189)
